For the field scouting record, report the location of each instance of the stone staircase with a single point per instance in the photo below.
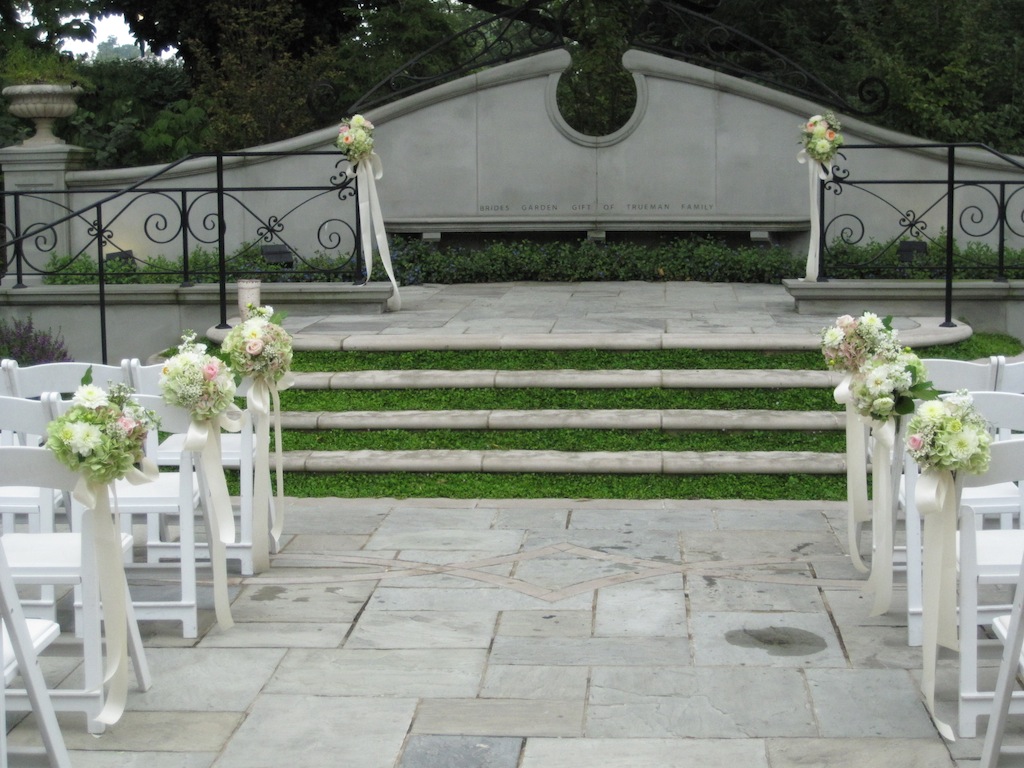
(581, 462)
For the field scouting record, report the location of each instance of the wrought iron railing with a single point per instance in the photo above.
(912, 217)
(159, 232)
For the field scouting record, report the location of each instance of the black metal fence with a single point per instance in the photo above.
(948, 222)
(155, 231)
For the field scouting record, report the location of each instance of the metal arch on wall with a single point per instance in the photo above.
(684, 31)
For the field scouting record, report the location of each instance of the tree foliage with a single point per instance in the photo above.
(953, 68)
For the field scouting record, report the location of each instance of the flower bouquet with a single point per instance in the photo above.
(851, 342)
(821, 137)
(886, 387)
(102, 435)
(259, 348)
(949, 434)
(196, 381)
(355, 138)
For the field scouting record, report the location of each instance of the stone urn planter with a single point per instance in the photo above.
(43, 104)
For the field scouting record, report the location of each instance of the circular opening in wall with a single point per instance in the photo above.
(596, 95)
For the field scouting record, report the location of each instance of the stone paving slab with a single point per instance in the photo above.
(434, 633)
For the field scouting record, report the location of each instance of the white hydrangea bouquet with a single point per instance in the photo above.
(259, 347)
(949, 434)
(852, 341)
(102, 435)
(821, 138)
(355, 138)
(888, 386)
(196, 381)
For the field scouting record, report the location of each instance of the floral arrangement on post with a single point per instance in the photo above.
(197, 381)
(887, 387)
(949, 434)
(102, 435)
(259, 348)
(851, 342)
(821, 138)
(355, 138)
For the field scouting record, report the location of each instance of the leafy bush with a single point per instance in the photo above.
(415, 262)
(873, 259)
(20, 340)
(697, 258)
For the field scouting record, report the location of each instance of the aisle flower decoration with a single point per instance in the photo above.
(259, 347)
(355, 138)
(949, 434)
(944, 437)
(204, 386)
(886, 387)
(821, 137)
(852, 341)
(261, 350)
(196, 381)
(102, 435)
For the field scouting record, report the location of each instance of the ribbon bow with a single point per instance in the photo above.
(203, 437)
(936, 499)
(367, 171)
(99, 531)
(263, 402)
(858, 511)
(817, 171)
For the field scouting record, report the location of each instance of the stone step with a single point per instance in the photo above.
(609, 462)
(578, 462)
(675, 419)
(569, 379)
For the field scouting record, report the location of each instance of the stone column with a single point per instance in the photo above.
(37, 170)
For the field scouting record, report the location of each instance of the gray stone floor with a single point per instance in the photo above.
(538, 634)
(434, 633)
(634, 315)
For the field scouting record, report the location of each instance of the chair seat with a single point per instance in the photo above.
(169, 451)
(162, 492)
(41, 631)
(48, 558)
(999, 553)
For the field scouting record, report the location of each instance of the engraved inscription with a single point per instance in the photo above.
(595, 207)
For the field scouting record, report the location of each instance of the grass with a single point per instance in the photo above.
(980, 345)
(405, 485)
(573, 486)
(527, 399)
(563, 440)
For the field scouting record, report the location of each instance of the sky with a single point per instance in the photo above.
(105, 27)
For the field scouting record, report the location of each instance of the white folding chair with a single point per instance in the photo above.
(1009, 630)
(25, 421)
(987, 558)
(23, 640)
(1010, 376)
(63, 378)
(945, 376)
(237, 452)
(65, 558)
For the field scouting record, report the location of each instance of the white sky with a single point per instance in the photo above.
(105, 27)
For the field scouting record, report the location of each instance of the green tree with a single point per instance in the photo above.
(111, 49)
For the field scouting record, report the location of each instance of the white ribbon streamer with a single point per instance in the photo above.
(102, 535)
(203, 437)
(367, 171)
(886, 466)
(936, 500)
(858, 511)
(264, 404)
(817, 171)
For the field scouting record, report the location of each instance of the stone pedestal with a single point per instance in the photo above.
(37, 173)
